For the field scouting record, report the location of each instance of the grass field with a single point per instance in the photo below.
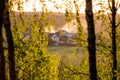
(69, 61)
(63, 49)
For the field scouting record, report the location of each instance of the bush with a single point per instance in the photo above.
(33, 62)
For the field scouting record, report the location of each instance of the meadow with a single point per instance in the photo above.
(63, 49)
(75, 66)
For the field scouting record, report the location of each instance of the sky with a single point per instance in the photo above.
(60, 4)
(30, 5)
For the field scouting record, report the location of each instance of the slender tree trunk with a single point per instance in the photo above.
(10, 42)
(114, 40)
(2, 57)
(11, 55)
(91, 40)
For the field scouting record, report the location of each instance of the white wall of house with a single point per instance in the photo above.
(55, 38)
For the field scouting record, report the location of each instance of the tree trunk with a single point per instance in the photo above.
(2, 57)
(10, 42)
(114, 40)
(91, 40)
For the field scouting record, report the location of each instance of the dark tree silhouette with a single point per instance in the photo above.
(114, 46)
(9, 41)
(10, 46)
(2, 57)
(91, 40)
(5, 21)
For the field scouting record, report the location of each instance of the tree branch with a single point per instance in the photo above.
(118, 24)
(109, 18)
(117, 5)
(109, 5)
(75, 72)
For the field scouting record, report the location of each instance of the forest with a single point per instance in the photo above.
(60, 40)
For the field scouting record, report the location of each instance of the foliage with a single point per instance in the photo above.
(62, 66)
(68, 15)
(81, 38)
(32, 59)
(75, 66)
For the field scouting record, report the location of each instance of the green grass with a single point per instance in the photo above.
(79, 63)
(67, 57)
(63, 49)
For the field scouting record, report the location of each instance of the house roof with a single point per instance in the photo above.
(51, 34)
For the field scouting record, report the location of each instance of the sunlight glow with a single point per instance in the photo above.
(59, 5)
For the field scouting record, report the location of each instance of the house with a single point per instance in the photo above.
(61, 37)
(69, 37)
(53, 39)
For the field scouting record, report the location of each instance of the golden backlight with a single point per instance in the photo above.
(60, 5)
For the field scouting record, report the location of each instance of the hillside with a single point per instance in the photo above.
(60, 23)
